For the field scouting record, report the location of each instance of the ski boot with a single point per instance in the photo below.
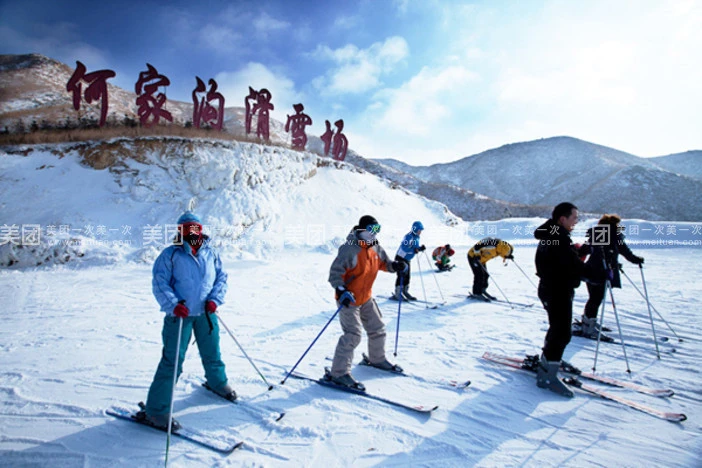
(547, 377)
(159, 421)
(407, 295)
(383, 365)
(489, 296)
(345, 380)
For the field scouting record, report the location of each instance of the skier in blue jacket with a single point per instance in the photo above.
(189, 284)
(405, 253)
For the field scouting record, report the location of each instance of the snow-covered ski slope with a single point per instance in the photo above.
(80, 337)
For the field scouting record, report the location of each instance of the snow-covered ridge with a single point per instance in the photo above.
(122, 197)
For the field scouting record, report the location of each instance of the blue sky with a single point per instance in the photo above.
(422, 81)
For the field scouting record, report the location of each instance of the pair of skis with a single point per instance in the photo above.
(575, 381)
(213, 443)
(216, 444)
(364, 393)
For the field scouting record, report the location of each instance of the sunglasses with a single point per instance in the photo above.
(373, 228)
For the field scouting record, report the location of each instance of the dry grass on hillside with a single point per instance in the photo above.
(107, 133)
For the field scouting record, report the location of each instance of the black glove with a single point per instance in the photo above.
(422, 248)
(639, 260)
(509, 257)
(399, 267)
(345, 296)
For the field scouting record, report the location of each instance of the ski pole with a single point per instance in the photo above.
(651, 305)
(399, 306)
(435, 279)
(599, 329)
(421, 278)
(175, 379)
(497, 286)
(650, 314)
(282, 382)
(270, 387)
(524, 273)
(621, 338)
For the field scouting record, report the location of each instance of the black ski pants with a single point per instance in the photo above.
(558, 302)
(597, 294)
(405, 277)
(480, 275)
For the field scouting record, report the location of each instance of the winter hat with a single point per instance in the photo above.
(417, 226)
(189, 218)
(365, 221)
(449, 250)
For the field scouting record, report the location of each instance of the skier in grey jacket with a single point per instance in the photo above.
(352, 275)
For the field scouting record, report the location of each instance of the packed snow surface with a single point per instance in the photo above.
(81, 332)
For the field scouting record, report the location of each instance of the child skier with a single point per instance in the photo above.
(405, 253)
(442, 257)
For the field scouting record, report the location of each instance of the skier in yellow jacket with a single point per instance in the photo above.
(478, 256)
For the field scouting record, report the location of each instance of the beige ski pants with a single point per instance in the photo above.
(352, 318)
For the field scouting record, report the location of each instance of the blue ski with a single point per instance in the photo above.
(207, 441)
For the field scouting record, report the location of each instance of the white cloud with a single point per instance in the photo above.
(359, 70)
(347, 22)
(621, 74)
(429, 100)
(220, 38)
(235, 86)
(265, 24)
(59, 41)
(401, 5)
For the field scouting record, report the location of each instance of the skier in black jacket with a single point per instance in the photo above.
(560, 269)
(607, 242)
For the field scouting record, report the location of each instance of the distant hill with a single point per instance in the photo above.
(688, 163)
(596, 178)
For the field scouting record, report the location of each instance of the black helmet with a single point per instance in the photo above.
(365, 221)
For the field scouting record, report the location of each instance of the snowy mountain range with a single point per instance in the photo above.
(596, 178)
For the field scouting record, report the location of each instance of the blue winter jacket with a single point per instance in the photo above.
(180, 275)
(408, 246)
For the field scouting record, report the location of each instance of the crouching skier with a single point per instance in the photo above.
(442, 257)
(352, 274)
(189, 284)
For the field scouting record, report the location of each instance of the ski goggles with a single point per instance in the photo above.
(373, 228)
